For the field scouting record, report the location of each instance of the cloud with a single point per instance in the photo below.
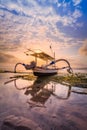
(32, 9)
(33, 21)
(76, 2)
(17, 29)
(24, 32)
(83, 48)
(29, 24)
(76, 14)
(6, 58)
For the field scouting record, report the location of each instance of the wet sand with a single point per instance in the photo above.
(42, 103)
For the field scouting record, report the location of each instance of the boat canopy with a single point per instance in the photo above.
(40, 54)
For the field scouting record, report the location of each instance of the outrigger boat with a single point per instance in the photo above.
(44, 70)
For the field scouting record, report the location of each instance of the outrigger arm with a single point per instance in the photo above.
(69, 69)
(32, 65)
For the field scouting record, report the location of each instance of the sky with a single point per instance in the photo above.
(37, 24)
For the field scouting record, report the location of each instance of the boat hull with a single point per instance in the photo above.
(44, 72)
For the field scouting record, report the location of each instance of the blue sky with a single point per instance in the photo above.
(38, 23)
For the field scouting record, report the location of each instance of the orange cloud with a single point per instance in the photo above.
(6, 58)
(83, 48)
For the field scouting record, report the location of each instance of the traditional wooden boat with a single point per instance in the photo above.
(49, 68)
(39, 71)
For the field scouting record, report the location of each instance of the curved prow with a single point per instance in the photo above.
(63, 60)
(16, 66)
(69, 69)
(27, 66)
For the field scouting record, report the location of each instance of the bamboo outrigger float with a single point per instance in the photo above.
(45, 70)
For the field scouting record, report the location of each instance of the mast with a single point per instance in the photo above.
(36, 59)
(53, 53)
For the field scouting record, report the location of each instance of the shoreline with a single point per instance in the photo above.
(75, 79)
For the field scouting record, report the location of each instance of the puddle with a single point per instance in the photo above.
(50, 104)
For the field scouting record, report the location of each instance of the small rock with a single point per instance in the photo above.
(19, 123)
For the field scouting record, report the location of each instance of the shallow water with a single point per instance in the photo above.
(51, 105)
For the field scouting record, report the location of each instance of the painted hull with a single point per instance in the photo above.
(44, 72)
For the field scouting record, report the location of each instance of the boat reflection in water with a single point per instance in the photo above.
(40, 90)
(46, 101)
